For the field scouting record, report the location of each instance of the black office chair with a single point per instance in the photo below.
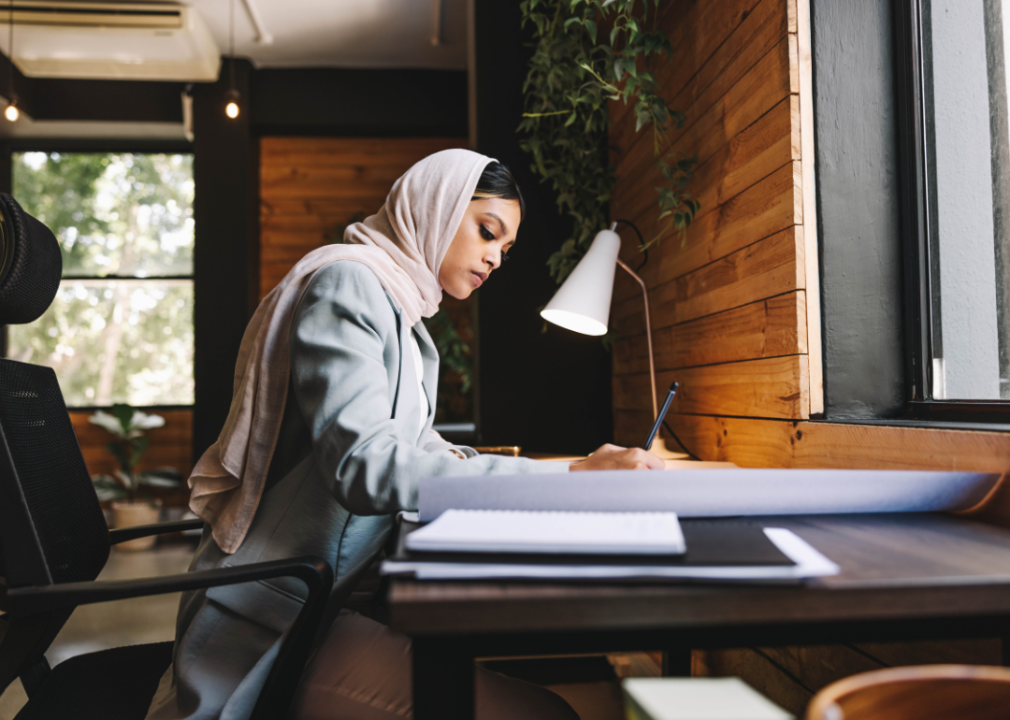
(54, 540)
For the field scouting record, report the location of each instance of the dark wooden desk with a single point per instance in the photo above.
(903, 577)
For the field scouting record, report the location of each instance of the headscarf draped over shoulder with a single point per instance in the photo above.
(403, 244)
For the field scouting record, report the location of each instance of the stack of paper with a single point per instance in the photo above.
(558, 533)
(722, 550)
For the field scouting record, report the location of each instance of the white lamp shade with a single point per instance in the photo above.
(582, 303)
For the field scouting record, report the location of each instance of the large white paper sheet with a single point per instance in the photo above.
(714, 492)
(809, 564)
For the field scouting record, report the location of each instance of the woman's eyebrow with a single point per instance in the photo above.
(500, 222)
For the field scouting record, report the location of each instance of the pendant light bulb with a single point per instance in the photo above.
(11, 113)
(232, 108)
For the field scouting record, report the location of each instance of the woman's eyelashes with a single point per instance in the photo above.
(485, 233)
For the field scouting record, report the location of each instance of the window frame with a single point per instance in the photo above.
(913, 175)
(93, 146)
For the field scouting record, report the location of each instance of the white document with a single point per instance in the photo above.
(697, 699)
(809, 563)
(551, 532)
(714, 492)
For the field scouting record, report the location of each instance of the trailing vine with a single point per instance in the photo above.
(586, 54)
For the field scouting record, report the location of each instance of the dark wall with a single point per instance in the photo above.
(226, 246)
(338, 102)
(857, 187)
(546, 391)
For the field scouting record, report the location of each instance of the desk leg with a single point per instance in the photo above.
(677, 662)
(443, 680)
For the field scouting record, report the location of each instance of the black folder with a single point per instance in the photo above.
(710, 543)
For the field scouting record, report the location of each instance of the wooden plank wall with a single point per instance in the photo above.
(311, 188)
(735, 305)
(729, 296)
(735, 301)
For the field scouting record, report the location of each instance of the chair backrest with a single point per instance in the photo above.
(51, 527)
(927, 692)
(51, 517)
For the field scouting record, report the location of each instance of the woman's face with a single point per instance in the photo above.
(487, 232)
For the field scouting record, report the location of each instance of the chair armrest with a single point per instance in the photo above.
(138, 531)
(33, 600)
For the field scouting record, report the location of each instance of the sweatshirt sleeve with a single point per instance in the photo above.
(344, 335)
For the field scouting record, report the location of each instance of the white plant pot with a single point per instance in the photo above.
(131, 514)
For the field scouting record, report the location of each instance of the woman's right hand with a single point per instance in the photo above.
(615, 457)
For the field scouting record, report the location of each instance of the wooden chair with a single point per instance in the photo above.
(928, 692)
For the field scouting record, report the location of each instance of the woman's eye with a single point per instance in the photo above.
(504, 257)
(485, 233)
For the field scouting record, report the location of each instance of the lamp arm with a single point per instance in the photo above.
(648, 334)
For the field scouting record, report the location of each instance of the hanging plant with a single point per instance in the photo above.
(586, 54)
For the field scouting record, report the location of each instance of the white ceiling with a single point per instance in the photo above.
(343, 33)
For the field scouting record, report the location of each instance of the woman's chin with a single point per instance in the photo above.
(460, 293)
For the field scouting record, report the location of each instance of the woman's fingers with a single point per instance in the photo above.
(614, 457)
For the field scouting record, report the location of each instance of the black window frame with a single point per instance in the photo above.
(94, 146)
(915, 233)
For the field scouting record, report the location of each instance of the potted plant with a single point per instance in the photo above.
(130, 505)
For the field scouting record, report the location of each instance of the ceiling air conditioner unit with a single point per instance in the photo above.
(109, 41)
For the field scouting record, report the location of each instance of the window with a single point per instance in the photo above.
(955, 165)
(121, 326)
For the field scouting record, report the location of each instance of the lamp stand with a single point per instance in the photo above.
(658, 445)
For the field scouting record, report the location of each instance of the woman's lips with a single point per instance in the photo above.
(478, 278)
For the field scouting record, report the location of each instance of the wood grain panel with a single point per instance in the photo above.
(816, 666)
(763, 87)
(767, 328)
(756, 36)
(765, 269)
(750, 442)
(708, 36)
(311, 188)
(771, 206)
(757, 671)
(766, 388)
(761, 149)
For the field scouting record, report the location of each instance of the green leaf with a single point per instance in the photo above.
(591, 29)
(139, 446)
(119, 451)
(123, 413)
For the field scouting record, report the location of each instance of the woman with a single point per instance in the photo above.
(341, 335)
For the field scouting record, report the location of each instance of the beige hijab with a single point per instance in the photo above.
(403, 244)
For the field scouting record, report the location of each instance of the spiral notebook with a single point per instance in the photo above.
(551, 533)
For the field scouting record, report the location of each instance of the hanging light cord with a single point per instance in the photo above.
(645, 251)
(10, 58)
(231, 43)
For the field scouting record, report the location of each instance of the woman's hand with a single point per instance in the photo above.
(614, 457)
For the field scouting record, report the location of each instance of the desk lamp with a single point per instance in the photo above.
(582, 304)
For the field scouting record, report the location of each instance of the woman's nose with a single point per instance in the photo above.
(493, 259)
